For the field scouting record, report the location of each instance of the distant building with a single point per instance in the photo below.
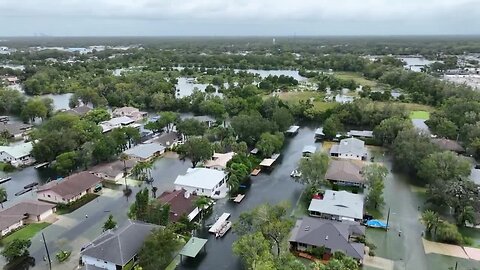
(338, 205)
(360, 133)
(15, 130)
(145, 151)
(130, 112)
(219, 161)
(23, 213)
(117, 248)
(350, 148)
(17, 155)
(169, 139)
(181, 203)
(80, 110)
(334, 236)
(309, 150)
(208, 120)
(202, 181)
(319, 135)
(113, 171)
(68, 189)
(116, 122)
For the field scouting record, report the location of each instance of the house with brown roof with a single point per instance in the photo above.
(448, 145)
(131, 112)
(113, 171)
(68, 189)
(219, 161)
(80, 110)
(22, 213)
(181, 203)
(15, 130)
(345, 172)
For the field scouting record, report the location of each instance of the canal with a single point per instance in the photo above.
(270, 188)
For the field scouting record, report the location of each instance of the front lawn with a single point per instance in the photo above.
(317, 99)
(357, 77)
(27, 232)
(424, 115)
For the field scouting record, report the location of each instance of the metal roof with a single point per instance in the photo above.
(145, 150)
(350, 146)
(193, 247)
(19, 150)
(339, 203)
(201, 178)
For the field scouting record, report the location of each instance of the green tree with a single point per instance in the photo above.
(431, 220)
(388, 129)
(374, 175)
(3, 195)
(202, 203)
(283, 118)
(138, 210)
(270, 143)
(196, 149)
(159, 249)
(35, 107)
(110, 223)
(97, 115)
(313, 169)
(249, 127)
(253, 248)
(444, 167)
(332, 126)
(65, 163)
(191, 127)
(16, 249)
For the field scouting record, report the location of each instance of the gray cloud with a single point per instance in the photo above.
(276, 16)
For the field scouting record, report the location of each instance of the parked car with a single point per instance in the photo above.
(97, 188)
(296, 174)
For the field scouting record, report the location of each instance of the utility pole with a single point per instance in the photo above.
(48, 254)
(388, 218)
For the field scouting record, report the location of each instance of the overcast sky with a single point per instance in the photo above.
(238, 17)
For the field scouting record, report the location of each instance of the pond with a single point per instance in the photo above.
(185, 87)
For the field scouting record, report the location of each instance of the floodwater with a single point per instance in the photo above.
(60, 101)
(270, 188)
(185, 87)
(415, 63)
(265, 73)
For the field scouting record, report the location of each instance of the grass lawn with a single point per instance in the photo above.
(26, 232)
(318, 102)
(419, 115)
(409, 106)
(68, 208)
(357, 77)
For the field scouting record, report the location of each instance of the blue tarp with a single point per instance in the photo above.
(374, 223)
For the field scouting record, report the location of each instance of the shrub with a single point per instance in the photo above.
(63, 255)
(448, 233)
(371, 253)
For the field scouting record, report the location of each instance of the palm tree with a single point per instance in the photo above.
(3, 195)
(431, 220)
(124, 158)
(202, 203)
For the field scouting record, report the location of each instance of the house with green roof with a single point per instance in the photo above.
(18, 154)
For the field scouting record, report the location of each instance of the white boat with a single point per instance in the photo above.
(219, 223)
(224, 229)
(296, 173)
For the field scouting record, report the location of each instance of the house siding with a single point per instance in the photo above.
(50, 196)
(200, 191)
(12, 227)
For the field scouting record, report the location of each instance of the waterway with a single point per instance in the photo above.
(266, 188)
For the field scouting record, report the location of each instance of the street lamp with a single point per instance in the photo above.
(48, 254)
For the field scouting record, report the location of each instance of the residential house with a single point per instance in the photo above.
(116, 122)
(337, 205)
(80, 110)
(12, 80)
(169, 139)
(181, 203)
(332, 235)
(18, 154)
(113, 171)
(360, 133)
(23, 213)
(319, 135)
(69, 189)
(15, 130)
(448, 145)
(115, 249)
(309, 150)
(208, 120)
(130, 112)
(345, 172)
(202, 181)
(350, 148)
(145, 151)
(219, 161)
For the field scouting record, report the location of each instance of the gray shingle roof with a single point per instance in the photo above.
(331, 234)
(345, 170)
(145, 151)
(14, 128)
(350, 146)
(72, 185)
(120, 245)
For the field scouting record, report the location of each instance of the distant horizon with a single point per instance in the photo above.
(243, 36)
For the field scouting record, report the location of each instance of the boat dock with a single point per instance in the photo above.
(219, 223)
(41, 165)
(239, 198)
(4, 180)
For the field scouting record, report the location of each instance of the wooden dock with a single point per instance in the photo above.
(41, 165)
(239, 198)
(219, 223)
(255, 172)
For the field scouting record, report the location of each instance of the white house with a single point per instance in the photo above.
(145, 151)
(219, 161)
(113, 171)
(24, 212)
(130, 112)
(116, 248)
(337, 205)
(17, 155)
(116, 122)
(350, 148)
(202, 181)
